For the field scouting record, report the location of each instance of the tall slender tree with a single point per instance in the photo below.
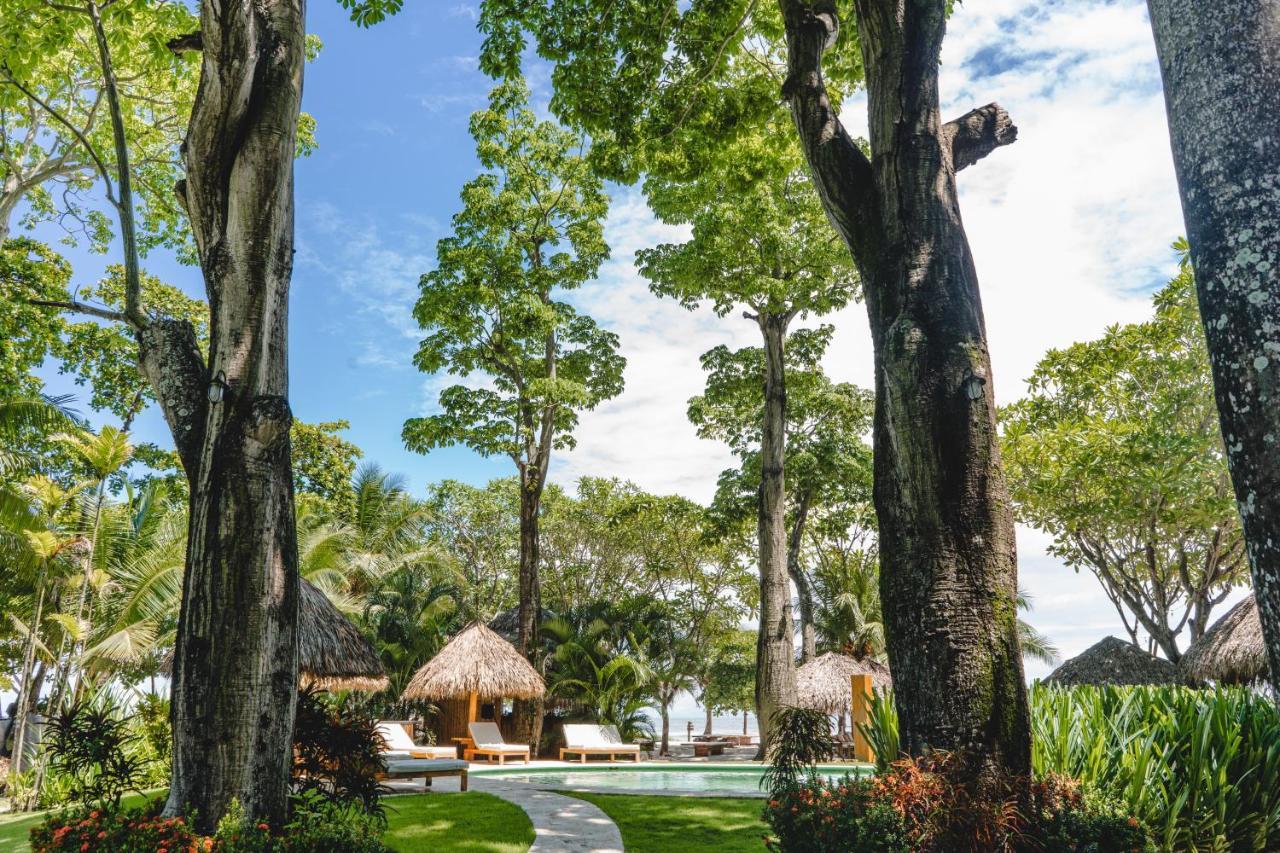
(661, 86)
(761, 245)
(530, 230)
(1220, 60)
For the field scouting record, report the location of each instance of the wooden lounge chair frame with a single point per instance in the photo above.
(497, 748)
(611, 750)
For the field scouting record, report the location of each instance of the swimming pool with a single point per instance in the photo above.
(665, 779)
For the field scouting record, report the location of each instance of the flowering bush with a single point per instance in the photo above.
(315, 828)
(930, 805)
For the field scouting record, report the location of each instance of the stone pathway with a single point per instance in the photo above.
(561, 824)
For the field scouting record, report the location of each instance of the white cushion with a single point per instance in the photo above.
(395, 737)
(591, 736)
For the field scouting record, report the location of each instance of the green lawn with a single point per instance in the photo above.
(471, 822)
(663, 824)
(474, 822)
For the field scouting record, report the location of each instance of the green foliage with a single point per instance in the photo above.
(1115, 452)
(337, 755)
(730, 677)
(51, 51)
(105, 356)
(881, 729)
(138, 830)
(602, 667)
(660, 86)
(530, 229)
(28, 271)
(801, 737)
(89, 745)
(324, 463)
(1198, 767)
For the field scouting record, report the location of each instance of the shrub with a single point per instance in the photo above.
(91, 749)
(881, 729)
(128, 831)
(337, 754)
(933, 805)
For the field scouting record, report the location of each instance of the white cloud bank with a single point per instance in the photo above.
(1070, 228)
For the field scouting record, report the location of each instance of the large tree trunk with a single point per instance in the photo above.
(804, 590)
(236, 667)
(528, 712)
(948, 582)
(775, 646)
(1220, 62)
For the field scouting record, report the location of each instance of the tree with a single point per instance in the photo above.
(28, 270)
(324, 464)
(1220, 62)
(828, 463)
(758, 197)
(235, 669)
(529, 231)
(730, 677)
(662, 88)
(1114, 452)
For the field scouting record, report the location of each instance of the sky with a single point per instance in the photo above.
(1070, 228)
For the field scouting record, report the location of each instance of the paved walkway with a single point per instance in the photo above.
(561, 824)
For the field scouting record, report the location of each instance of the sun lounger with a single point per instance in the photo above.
(402, 766)
(590, 739)
(487, 741)
(395, 736)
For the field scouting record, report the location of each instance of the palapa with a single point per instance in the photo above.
(477, 662)
(1232, 651)
(823, 684)
(1113, 661)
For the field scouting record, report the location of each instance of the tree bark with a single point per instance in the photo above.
(664, 708)
(1220, 62)
(775, 646)
(948, 579)
(236, 665)
(804, 590)
(528, 712)
(706, 728)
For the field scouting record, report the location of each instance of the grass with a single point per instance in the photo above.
(440, 823)
(661, 824)
(443, 823)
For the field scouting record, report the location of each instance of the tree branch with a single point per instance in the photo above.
(190, 41)
(977, 133)
(84, 308)
(169, 357)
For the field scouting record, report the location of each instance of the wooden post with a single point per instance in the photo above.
(472, 700)
(861, 714)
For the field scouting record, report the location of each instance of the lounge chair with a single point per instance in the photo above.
(402, 766)
(590, 739)
(486, 740)
(395, 736)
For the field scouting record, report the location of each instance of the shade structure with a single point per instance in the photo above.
(1232, 651)
(823, 683)
(332, 653)
(1113, 661)
(477, 662)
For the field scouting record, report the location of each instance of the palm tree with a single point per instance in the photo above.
(604, 669)
(1034, 645)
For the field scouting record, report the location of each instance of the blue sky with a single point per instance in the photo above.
(1070, 229)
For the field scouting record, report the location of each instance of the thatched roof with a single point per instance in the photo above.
(1114, 661)
(476, 661)
(332, 653)
(823, 683)
(507, 623)
(1230, 652)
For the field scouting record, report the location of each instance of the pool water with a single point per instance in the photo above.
(738, 782)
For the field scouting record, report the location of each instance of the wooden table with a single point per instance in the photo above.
(702, 748)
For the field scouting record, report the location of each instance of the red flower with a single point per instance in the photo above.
(263, 827)
(84, 848)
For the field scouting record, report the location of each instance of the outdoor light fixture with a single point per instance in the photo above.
(217, 387)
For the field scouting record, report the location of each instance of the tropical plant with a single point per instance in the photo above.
(89, 744)
(337, 755)
(601, 667)
(881, 728)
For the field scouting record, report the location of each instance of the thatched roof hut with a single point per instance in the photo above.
(332, 653)
(1113, 661)
(477, 662)
(1232, 651)
(823, 683)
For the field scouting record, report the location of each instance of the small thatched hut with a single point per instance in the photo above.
(332, 653)
(1232, 651)
(1113, 661)
(823, 683)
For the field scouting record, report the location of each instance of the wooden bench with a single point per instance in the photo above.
(425, 769)
(703, 748)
